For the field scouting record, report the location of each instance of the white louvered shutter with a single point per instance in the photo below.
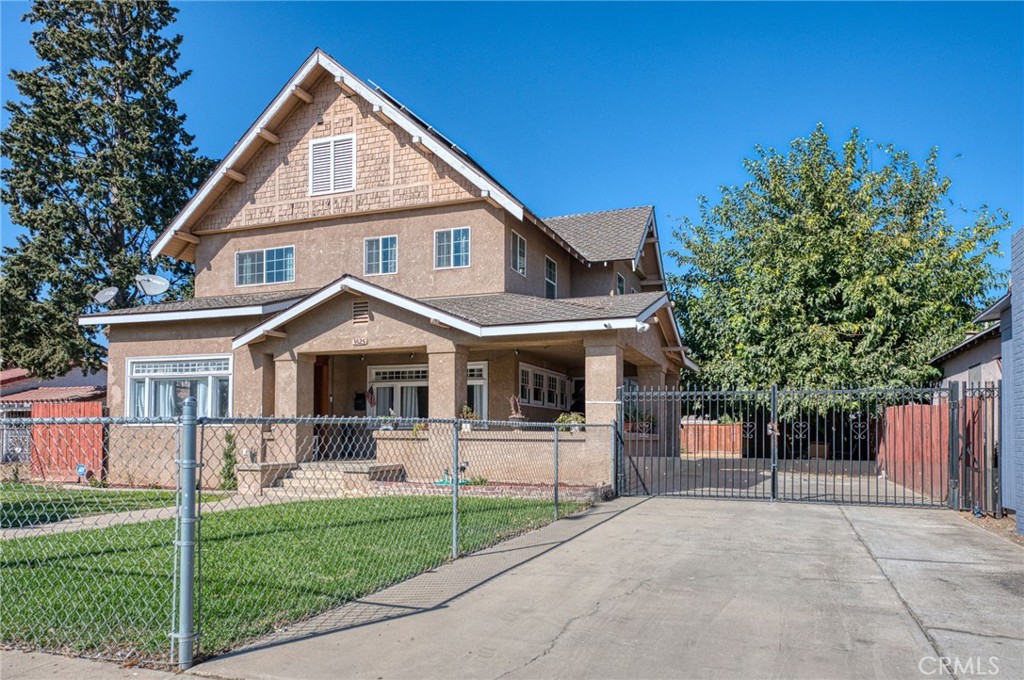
(320, 168)
(344, 164)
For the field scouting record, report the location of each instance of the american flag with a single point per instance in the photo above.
(371, 398)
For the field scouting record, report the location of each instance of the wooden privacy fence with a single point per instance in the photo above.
(57, 450)
(913, 449)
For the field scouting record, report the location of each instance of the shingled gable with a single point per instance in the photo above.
(176, 241)
(503, 314)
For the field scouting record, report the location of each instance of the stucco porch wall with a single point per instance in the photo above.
(499, 456)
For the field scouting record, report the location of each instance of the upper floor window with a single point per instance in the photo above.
(518, 254)
(620, 284)
(332, 165)
(380, 255)
(273, 265)
(550, 278)
(451, 248)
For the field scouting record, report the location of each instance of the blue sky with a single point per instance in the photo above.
(579, 107)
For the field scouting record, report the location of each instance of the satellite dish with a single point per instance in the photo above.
(105, 295)
(151, 284)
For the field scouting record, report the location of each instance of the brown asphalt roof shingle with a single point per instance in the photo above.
(510, 308)
(213, 302)
(604, 236)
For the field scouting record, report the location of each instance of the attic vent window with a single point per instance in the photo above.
(361, 311)
(332, 165)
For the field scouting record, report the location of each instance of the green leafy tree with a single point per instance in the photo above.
(98, 163)
(831, 267)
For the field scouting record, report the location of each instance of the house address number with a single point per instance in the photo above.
(359, 342)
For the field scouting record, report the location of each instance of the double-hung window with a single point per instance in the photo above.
(273, 265)
(158, 388)
(380, 255)
(550, 278)
(620, 284)
(332, 165)
(540, 387)
(451, 248)
(518, 254)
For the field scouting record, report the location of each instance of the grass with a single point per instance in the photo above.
(109, 591)
(24, 505)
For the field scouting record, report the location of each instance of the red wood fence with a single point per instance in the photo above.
(57, 450)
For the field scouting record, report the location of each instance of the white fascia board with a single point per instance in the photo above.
(558, 327)
(425, 138)
(228, 162)
(185, 315)
(643, 240)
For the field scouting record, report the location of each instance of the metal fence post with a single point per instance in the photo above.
(455, 489)
(954, 446)
(773, 431)
(187, 535)
(556, 472)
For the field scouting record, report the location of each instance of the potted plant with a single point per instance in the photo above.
(573, 419)
(467, 414)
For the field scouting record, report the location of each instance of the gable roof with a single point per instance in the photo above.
(386, 105)
(606, 235)
(500, 314)
(74, 393)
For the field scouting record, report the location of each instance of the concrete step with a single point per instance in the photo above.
(336, 471)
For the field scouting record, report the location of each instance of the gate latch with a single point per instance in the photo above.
(773, 429)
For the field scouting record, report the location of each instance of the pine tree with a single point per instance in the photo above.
(99, 163)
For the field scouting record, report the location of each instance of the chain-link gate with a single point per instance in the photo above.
(921, 447)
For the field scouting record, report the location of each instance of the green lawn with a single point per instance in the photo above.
(23, 505)
(109, 590)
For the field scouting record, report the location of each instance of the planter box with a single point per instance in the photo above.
(700, 440)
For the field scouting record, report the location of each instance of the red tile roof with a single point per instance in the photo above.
(81, 393)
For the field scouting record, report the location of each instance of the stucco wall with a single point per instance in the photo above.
(538, 246)
(327, 249)
(986, 356)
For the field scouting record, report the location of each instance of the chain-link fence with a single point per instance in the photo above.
(289, 518)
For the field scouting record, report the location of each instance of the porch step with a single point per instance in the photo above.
(337, 475)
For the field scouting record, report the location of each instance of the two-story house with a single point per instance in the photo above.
(352, 261)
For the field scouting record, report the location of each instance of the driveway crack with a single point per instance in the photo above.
(593, 611)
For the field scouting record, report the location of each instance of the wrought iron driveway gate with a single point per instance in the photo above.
(935, 446)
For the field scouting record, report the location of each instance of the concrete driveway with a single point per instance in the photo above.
(686, 588)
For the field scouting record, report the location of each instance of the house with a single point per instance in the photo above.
(22, 395)
(352, 261)
(977, 360)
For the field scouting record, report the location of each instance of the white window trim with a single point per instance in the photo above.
(619, 278)
(264, 251)
(355, 165)
(547, 280)
(469, 252)
(564, 386)
(515, 253)
(128, 377)
(370, 382)
(380, 250)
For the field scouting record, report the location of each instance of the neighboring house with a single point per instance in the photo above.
(352, 261)
(977, 360)
(19, 391)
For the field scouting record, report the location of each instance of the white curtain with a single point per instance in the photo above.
(385, 400)
(138, 398)
(202, 392)
(410, 403)
(163, 399)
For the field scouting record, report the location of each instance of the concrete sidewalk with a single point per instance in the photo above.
(670, 588)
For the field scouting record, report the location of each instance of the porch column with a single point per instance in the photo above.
(651, 377)
(603, 373)
(447, 387)
(293, 384)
